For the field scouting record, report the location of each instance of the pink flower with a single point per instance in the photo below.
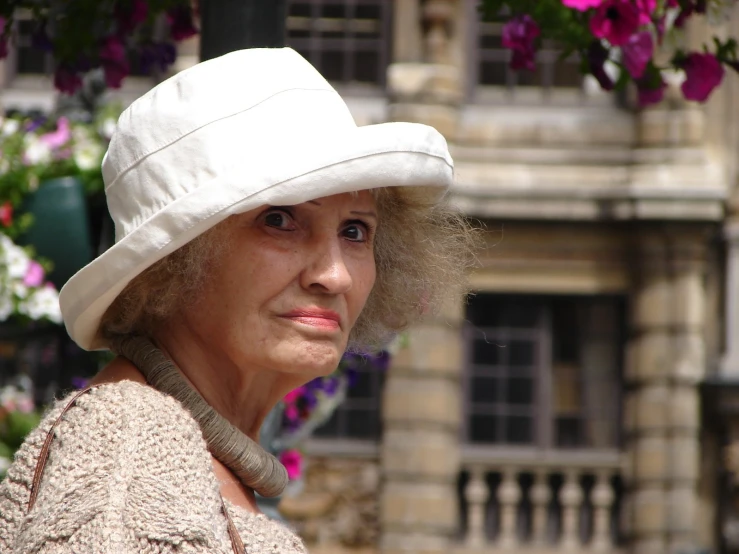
(129, 15)
(34, 275)
(293, 462)
(6, 214)
(60, 137)
(651, 95)
(615, 21)
(293, 395)
(646, 9)
(703, 73)
(292, 413)
(637, 52)
(66, 80)
(114, 61)
(181, 25)
(582, 5)
(519, 35)
(3, 39)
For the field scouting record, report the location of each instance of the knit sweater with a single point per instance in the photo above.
(129, 472)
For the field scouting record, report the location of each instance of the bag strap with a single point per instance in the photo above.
(233, 533)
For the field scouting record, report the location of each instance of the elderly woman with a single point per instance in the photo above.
(259, 234)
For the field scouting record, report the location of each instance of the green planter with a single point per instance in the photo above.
(60, 230)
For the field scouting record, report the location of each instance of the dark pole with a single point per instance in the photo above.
(228, 25)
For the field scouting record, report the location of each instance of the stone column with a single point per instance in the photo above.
(647, 399)
(420, 452)
(730, 362)
(688, 369)
(665, 366)
(425, 78)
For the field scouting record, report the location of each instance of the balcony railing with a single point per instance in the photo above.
(542, 503)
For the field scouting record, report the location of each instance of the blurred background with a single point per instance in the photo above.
(586, 397)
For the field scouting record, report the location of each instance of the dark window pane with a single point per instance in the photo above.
(521, 353)
(299, 9)
(366, 67)
(31, 61)
(491, 42)
(487, 352)
(362, 387)
(568, 432)
(523, 315)
(332, 65)
(330, 428)
(484, 390)
(483, 428)
(519, 430)
(368, 11)
(492, 73)
(520, 391)
(361, 424)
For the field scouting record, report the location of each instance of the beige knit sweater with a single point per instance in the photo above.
(129, 472)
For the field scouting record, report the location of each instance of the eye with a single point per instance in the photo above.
(357, 231)
(279, 219)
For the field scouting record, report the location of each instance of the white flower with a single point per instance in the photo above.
(16, 260)
(6, 305)
(87, 155)
(10, 127)
(42, 303)
(37, 152)
(107, 128)
(19, 289)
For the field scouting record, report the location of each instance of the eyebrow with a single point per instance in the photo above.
(370, 214)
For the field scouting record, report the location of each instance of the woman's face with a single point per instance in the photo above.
(291, 286)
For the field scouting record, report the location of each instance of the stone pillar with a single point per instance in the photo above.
(666, 362)
(688, 369)
(425, 78)
(646, 410)
(420, 452)
(730, 362)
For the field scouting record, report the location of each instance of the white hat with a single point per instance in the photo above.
(251, 128)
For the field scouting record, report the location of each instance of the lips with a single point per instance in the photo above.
(315, 317)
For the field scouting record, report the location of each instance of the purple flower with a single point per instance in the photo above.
(703, 73)
(581, 5)
(129, 14)
(615, 21)
(67, 80)
(597, 57)
(157, 54)
(181, 25)
(80, 382)
(34, 275)
(637, 52)
(112, 56)
(519, 35)
(650, 94)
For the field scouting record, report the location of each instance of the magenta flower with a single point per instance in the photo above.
(637, 52)
(646, 10)
(181, 24)
(293, 462)
(3, 39)
(650, 94)
(58, 138)
(615, 21)
(34, 275)
(519, 35)
(114, 61)
(582, 5)
(66, 80)
(129, 15)
(597, 57)
(703, 73)
(293, 395)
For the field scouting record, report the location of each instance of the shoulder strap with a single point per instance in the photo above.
(233, 534)
(44, 455)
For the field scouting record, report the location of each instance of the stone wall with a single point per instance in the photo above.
(337, 509)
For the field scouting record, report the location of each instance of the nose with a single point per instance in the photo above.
(326, 271)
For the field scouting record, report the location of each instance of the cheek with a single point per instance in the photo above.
(365, 275)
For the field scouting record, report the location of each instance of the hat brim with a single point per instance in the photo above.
(407, 155)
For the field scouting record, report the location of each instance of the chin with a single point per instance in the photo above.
(313, 359)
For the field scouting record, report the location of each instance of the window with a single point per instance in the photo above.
(347, 41)
(543, 371)
(491, 78)
(30, 60)
(358, 417)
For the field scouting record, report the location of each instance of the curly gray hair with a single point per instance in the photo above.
(422, 255)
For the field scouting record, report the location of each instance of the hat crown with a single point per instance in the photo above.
(233, 108)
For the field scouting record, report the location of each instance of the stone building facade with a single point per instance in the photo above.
(586, 398)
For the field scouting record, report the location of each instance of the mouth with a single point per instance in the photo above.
(318, 318)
